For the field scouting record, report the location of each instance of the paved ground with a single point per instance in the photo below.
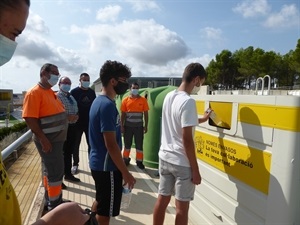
(143, 198)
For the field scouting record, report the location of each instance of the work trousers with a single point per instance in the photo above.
(70, 148)
(138, 134)
(53, 171)
(76, 140)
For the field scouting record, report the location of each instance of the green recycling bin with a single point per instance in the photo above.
(151, 143)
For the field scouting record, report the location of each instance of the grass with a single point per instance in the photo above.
(12, 120)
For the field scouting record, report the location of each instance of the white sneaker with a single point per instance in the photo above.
(74, 170)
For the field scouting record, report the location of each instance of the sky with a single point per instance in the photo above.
(153, 38)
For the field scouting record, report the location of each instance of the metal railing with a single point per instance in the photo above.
(262, 79)
(17, 143)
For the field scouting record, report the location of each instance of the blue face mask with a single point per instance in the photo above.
(65, 87)
(85, 84)
(135, 91)
(53, 79)
(7, 49)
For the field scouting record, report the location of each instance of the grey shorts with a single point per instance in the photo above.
(176, 180)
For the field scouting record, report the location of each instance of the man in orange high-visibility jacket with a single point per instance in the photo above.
(46, 117)
(134, 108)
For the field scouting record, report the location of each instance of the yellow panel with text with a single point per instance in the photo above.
(247, 164)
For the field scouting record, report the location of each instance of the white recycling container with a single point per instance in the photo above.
(250, 163)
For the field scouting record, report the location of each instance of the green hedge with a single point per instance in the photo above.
(18, 127)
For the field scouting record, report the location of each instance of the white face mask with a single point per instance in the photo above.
(195, 90)
(53, 79)
(65, 87)
(135, 91)
(7, 49)
(85, 84)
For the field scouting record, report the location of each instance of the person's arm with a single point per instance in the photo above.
(123, 117)
(115, 154)
(205, 117)
(146, 121)
(69, 213)
(189, 147)
(33, 124)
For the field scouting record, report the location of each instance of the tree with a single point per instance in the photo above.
(242, 68)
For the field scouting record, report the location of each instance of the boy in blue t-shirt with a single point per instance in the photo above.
(106, 162)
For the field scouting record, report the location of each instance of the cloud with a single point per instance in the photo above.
(171, 69)
(252, 8)
(108, 13)
(287, 17)
(212, 33)
(39, 50)
(142, 40)
(36, 24)
(145, 5)
(212, 36)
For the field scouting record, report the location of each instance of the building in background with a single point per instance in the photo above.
(145, 82)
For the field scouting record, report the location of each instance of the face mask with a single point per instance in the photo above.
(135, 91)
(53, 80)
(65, 87)
(195, 90)
(121, 88)
(85, 84)
(7, 49)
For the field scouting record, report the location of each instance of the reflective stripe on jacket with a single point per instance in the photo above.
(134, 119)
(54, 127)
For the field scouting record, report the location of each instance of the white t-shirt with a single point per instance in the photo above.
(178, 111)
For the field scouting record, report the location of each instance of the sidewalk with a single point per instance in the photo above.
(144, 194)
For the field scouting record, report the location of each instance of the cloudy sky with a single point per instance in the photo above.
(154, 38)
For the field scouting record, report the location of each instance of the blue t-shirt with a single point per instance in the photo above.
(104, 117)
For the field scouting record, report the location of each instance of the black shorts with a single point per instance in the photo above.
(109, 186)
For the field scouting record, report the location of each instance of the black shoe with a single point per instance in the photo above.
(140, 165)
(63, 186)
(126, 161)
(72, 178)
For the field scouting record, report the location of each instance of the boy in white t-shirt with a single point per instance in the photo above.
(178, 167)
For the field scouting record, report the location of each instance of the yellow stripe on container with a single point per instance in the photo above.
(278, 117)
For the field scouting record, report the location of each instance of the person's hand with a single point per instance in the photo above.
(46, 145)
(196, 177)
(207, 114)
(129, 180)
(145, 130)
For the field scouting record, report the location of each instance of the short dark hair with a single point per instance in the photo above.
(113, 69)
(12, 4)
(193, 70)
(47, 67)
(84, 75)
(135, 84)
